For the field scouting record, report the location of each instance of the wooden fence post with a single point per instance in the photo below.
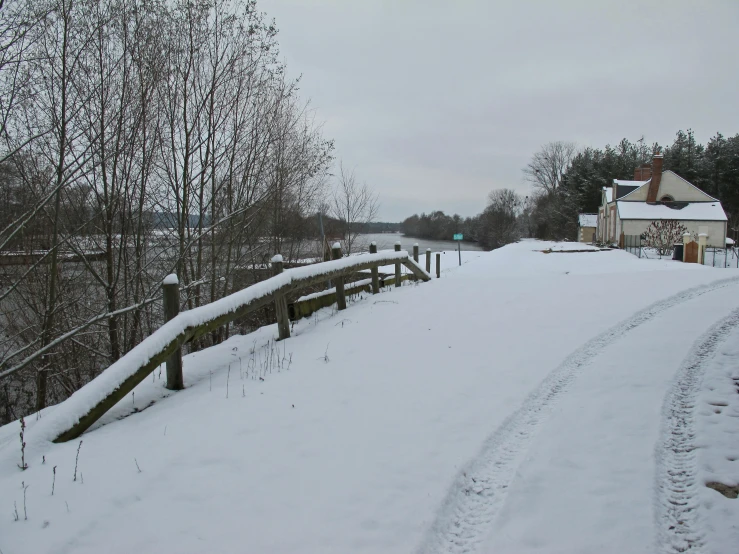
(375, 272)
(397, 266)
(438, 265)
(340, 296)
(171, 290)
(428, 261)
(283, 319)
(415, 256)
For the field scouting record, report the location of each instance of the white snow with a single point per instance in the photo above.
(572, 246)
(515, 405)
(693, 211)
(336, 245)
(627, 183)
(332, 290)
(718, 449)
(81, 402)
(171, 279)
(276, 259)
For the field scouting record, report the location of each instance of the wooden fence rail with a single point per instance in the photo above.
(88, 404)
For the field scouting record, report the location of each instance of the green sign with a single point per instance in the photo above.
(458, 236)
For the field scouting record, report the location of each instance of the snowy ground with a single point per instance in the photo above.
(524, 402)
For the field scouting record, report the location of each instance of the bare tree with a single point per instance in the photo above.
(548, 166)
(663, 235)
(499, 221)
(138, 138)
(354, 205)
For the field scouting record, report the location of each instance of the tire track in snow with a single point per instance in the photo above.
(480, 488)
(676, 486)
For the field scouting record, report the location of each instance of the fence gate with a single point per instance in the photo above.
(691, 253)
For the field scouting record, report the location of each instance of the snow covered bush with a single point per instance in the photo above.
(664, 234)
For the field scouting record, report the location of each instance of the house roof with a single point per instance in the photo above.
(624, 188)
(646, 183)
(588, 220)
(685, 211)
(623, 183)
(623, 197)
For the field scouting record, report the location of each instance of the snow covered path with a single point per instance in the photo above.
(621, 367)
(361, 442)
(588, 483)
(679, 480)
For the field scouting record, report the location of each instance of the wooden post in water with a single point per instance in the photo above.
(375, 272)
(283, 319)
(428, 261)
(397, 266)
(171, 290)
(438, 265)
(340, 297)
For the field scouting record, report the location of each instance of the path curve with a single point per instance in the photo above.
(480, 488)
(676, 513)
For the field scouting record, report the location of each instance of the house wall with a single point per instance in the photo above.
(586, 234)
(611, 232)
(716, 229)
(639, 195)
(680, 189)
(672, 185)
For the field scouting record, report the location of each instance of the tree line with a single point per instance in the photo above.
(140, 138)
(568, 181)
(501, 222)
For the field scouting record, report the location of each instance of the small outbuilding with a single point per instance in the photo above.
(586, 227)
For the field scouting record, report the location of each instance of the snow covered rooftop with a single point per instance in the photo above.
(686, 211)
(609, 194)
(624, 183)
(588, 220)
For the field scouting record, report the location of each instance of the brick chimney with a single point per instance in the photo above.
(643, 172)
(656, 179)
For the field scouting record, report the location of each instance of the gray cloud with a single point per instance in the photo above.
(436, 103)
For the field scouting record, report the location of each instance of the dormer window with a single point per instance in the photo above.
(666, 198)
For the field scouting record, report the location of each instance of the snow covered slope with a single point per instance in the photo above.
(517, 404)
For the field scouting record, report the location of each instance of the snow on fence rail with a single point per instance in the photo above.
(76, 414)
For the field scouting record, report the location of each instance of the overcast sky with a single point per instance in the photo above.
(435, 104)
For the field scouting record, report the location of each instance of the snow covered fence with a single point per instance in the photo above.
(721, 257)
(73, 416)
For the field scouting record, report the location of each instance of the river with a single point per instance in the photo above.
(386, 241)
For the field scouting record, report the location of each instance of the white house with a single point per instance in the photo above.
(629, 207)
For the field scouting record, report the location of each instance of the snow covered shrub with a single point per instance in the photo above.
(664, 234)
